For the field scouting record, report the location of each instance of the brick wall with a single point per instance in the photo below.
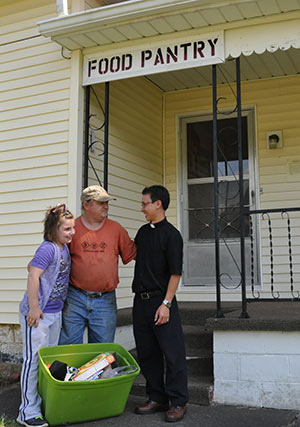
(257, 368)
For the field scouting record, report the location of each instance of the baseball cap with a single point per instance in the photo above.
(95, 192)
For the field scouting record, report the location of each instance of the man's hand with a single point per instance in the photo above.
(162, 315)
(34, 317)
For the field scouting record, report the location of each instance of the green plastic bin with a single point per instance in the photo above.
(73, 402)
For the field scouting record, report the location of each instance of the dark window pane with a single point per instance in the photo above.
(201, 210)
(200, 148)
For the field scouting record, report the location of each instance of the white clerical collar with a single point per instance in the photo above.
(158, 224)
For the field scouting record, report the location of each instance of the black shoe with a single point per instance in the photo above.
(34, 422)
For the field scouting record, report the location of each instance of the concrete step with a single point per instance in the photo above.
(192, 313)
(200, 391)
(196, 313)
(199, 363)
(139, 386)
(199, 351)
(197, 336)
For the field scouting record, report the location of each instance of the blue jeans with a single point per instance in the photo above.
(98, 314)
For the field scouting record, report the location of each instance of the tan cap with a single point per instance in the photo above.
(95, 192)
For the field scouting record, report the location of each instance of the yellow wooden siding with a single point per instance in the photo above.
(135, 155)
(277, 103)
(92, 4)
(34, 130)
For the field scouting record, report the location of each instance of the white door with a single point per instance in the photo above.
(198, 200)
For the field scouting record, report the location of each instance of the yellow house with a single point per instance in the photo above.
(161, 60)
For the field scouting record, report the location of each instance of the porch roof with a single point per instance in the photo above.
(255, 27)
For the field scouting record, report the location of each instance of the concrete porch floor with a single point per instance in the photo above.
(267, 316)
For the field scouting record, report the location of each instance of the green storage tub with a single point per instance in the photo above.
(73, 402)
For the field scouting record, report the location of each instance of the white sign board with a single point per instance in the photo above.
(188, 52)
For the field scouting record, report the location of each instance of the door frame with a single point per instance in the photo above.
(182, 121)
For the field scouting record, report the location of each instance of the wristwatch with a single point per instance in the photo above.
(167, 303)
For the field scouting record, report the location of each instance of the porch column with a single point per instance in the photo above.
(87, 145)
(86, 137)
(219, 312)
(106, 128)
(76, 130)
(244, 313)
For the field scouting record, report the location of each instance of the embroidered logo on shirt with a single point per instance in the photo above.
(94, 245)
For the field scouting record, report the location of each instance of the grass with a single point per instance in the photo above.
(5, 422)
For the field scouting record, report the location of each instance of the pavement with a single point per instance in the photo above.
(204, 416)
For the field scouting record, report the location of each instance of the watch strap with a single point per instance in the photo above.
(167, 303)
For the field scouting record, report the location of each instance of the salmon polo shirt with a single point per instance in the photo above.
(95, 255)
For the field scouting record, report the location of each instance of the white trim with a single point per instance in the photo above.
(182, 120)
(260, 34)
(260, 38)
(75, 134)
(121, 12)
(164, 137)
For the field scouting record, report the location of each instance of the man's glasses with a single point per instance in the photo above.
(144, 204)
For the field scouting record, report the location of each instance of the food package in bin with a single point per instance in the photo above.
(93, 369)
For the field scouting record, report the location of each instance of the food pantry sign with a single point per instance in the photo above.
(155, 58)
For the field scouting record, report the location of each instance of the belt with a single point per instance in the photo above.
(89, 294)
(150, 294)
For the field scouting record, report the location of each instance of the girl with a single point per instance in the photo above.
(41, 307)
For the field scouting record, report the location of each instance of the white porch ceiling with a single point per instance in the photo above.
(254, 67)
(136, 21)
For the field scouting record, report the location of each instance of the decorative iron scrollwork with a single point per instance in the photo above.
(252, 265)
(94, 136)
(227, 113)
(295, 296)
(277, 296)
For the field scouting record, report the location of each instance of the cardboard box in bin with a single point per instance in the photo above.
(79, 401)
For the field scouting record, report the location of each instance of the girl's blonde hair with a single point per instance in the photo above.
(53, 219)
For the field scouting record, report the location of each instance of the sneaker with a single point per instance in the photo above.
(34, 422)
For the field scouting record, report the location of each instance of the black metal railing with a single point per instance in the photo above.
(259, 270)
(238, 110)
(89, 141)
(279, 258)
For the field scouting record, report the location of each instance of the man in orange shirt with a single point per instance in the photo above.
(95, 251)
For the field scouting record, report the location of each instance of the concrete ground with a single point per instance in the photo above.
(204, 416)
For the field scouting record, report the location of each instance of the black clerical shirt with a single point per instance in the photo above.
(159, 255)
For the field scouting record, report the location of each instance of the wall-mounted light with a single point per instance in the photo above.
(274, 139)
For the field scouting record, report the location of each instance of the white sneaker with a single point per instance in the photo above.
(34, 422)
